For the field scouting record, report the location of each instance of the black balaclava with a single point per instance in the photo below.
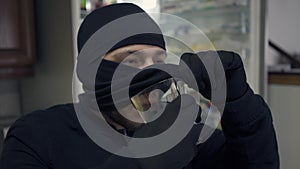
(95, 21)
(102, 16)
(103, 88)
(142, 80)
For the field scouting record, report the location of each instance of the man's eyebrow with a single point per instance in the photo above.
(126, 52)
(161, 52)
(131, 51)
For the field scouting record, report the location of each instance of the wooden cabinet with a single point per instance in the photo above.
(17, 40)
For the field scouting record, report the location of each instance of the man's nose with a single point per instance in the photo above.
(147, 62)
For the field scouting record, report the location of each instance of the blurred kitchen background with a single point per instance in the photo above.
(38, 51)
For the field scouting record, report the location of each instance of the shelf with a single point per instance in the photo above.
(284, 78)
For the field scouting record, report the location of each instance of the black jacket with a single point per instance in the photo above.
(54, 139)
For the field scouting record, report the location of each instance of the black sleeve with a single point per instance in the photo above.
(210, 153)
(250, 136)
(248, 140)
(26, 146)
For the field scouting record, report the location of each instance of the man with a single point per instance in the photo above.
(54, 138)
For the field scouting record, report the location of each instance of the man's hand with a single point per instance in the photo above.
(246, 120)
(180, 155)
(233, 67)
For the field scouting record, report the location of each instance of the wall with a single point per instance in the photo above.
(284, 103)
(9, 101)
(284, 20)
(284, 25)
(52, 83)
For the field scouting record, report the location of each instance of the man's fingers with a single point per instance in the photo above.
(230, 60)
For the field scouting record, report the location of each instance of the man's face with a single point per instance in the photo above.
(139, 56)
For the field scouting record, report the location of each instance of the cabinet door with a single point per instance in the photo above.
(17, 47)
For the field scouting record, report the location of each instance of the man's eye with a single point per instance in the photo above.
(131, 62)
(159, 61)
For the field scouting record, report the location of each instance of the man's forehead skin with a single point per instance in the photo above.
(156, 51)
(141, 49)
